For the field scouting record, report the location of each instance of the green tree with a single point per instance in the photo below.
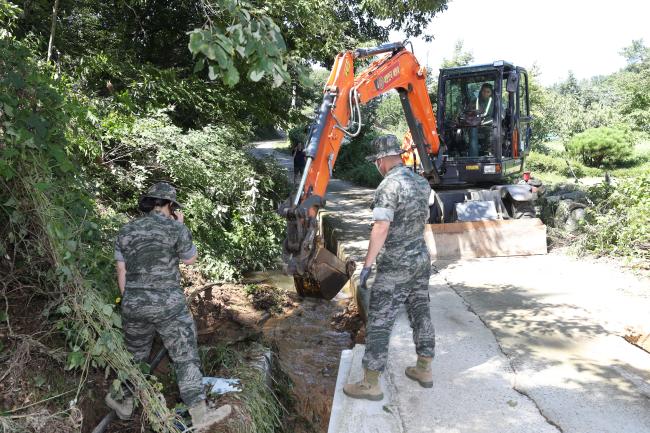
(544, 124)
(460, 57)
(632, 84)
(636, 53)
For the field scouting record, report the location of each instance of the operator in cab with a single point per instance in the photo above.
(148, 251)
(400, 212)
(484, 107)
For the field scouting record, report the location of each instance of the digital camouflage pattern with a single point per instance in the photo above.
(402, 198)
(164, 191)
(403, 266)
(147, 311)
(151, 247)
(386, 145)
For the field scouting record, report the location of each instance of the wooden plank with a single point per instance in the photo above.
(486, 239)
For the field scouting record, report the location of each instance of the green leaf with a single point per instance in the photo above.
(98, 349)
(9, 110)
(197, 43)
(3, 316)
(117, 320)
(232, 76)
(226, 44)
(144, 368)
(255, 75)
(87, 306)
(116, 385)
(64, 309)
(11, 202)
(199, 65)
(75, 359)
(71, 246)
(6, 170)
(42, 186)
(251, 47)
(107, 309)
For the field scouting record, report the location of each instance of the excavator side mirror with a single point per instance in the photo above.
(513, 82)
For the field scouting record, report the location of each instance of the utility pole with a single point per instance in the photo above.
(52, 30)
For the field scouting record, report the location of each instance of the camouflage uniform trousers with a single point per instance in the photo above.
(147, 311)
(393, 286)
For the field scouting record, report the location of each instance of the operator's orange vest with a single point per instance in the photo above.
(410, 155)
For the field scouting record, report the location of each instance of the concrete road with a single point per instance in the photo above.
(560, 321)
(523, 344)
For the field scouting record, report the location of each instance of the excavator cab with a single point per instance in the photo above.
(483, 119)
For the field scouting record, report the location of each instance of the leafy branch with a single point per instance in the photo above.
(237, 37)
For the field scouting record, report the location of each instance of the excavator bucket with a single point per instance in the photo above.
(326, 276)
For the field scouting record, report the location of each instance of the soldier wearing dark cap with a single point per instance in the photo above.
(148, 251)
(400, 212)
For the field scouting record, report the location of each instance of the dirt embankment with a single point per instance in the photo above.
(237, 324)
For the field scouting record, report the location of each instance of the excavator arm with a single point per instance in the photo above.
(317, 272)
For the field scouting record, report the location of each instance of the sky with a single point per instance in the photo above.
(558, 35)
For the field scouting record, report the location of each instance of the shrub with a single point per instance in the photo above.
(351, 163)
(619, 222)
(601, 147)
(50, 233)
(297, 135)
(550, 163)
(230, 197)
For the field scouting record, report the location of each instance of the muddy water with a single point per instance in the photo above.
(308, 347)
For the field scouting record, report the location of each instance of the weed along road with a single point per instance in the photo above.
(523, 344)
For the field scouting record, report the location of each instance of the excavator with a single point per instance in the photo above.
(484, 123)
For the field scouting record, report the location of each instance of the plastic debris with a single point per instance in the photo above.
(220, 385)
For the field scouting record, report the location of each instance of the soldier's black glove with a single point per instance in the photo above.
(363, 277)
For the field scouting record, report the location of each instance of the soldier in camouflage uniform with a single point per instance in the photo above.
(148, 250)
(400, 211)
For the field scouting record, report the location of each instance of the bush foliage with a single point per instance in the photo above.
(552, 163)
(619, 223)
(297, 135)
(351, 163)
(601, 147)
(52, 239)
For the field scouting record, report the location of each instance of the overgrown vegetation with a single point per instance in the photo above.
(352, 165)
(133, 93)
(619, 222)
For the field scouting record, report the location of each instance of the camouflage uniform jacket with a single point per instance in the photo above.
(151, 247)
(403, 199)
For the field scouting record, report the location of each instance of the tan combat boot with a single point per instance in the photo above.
(421, 372)
(204, 417)
(123, 409)
(368, 388)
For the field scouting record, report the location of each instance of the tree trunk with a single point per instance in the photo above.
(52, 30)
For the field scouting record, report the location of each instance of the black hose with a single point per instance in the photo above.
(111, 415)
